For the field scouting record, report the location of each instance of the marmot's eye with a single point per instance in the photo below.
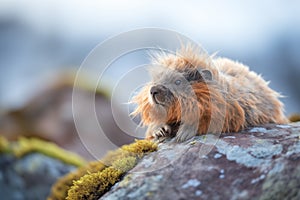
(177, 82)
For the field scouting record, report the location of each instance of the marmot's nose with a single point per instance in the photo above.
(155, 90)
(158, 93)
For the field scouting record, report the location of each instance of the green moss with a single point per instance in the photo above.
(60, 189)
(25, 146)
(92, 186)
(4, 145)
(138, 149)
(93, 180)
(125, 164)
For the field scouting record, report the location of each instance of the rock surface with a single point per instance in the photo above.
(258, 163)
(29, 177)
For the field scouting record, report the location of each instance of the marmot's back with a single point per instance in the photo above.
(260, 103)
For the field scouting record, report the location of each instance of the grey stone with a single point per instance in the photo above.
(260, 164)
(29, 177)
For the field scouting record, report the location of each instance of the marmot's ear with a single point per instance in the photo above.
(207, 75)
(195, 75)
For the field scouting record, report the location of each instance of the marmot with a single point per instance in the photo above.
(194, 93)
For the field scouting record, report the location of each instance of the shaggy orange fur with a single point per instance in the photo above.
(229, 100)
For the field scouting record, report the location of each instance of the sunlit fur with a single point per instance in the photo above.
(234, 99)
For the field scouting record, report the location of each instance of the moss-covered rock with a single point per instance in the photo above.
(29, 167)
(93, 180)
(92, 186)
(60, 188)
(30, 176)
(24, 146)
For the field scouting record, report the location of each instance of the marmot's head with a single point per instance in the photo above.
(178, 87)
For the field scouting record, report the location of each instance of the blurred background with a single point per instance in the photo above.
(42, 44)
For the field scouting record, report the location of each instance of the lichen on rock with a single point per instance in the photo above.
(261, 164)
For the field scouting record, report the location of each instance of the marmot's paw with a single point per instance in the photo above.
(162, 132)
(185, 132)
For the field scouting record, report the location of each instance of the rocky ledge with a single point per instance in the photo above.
(258, 163)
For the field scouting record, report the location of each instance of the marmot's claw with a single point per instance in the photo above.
(163, 131)
(167, 130)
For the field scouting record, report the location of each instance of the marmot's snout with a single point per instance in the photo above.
(160, 94)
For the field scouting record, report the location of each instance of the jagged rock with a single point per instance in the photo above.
(29, 177)
(258, 163)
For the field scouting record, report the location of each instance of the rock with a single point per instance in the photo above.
(49, 116)
(29, 177)
(258, 163)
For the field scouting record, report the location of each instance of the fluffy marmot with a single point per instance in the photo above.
(193, 93)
